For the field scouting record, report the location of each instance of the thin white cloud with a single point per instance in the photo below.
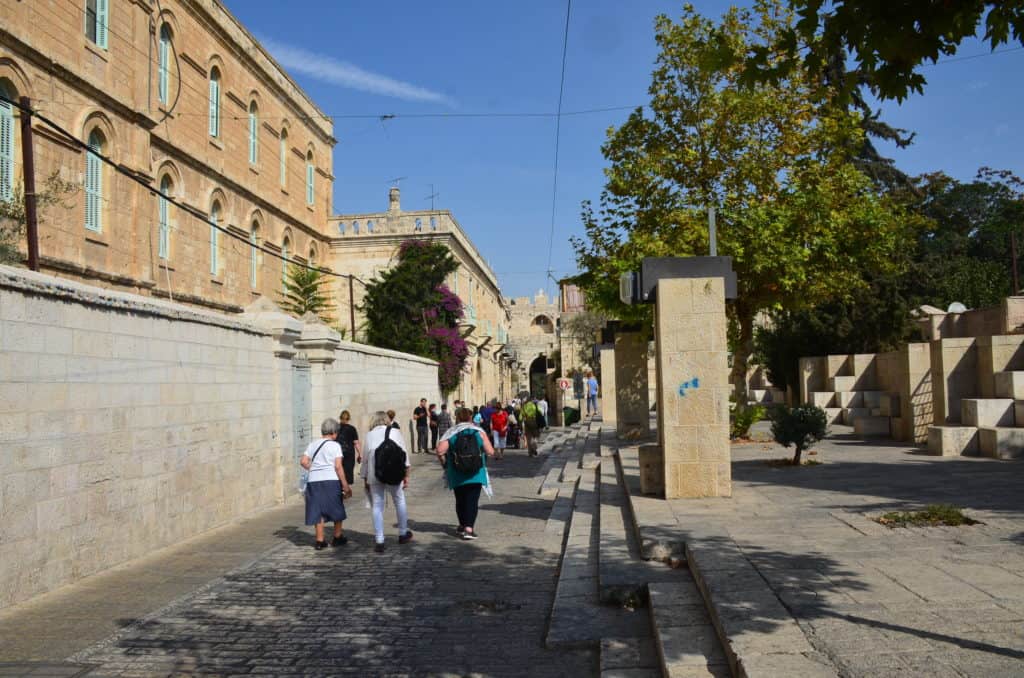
(344, 74)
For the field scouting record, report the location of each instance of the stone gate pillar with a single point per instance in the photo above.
(632, 407)
(608, 397)
(693, 387)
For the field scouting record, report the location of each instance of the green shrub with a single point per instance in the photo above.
(800, 426)
(743, 417)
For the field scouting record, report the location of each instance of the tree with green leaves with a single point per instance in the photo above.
(799, 220)
(410, 309)
(55, 192)
(886, 42)
(304, 292)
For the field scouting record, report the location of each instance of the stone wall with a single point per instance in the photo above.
(129, 423)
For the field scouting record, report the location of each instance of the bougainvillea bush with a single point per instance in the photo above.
(409, 308)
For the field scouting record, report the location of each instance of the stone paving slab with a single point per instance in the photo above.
(866, 599)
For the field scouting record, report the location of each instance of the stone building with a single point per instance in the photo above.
(365, 245)
(534, 341)
(186, 99)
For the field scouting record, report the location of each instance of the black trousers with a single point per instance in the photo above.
(467, 498)
(421, 438)
(433, 438)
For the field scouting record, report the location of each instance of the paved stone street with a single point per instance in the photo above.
(437, 606)
(869, 600)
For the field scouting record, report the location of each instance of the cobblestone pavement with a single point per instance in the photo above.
(436, 606)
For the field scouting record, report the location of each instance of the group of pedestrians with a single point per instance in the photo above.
(462, 448)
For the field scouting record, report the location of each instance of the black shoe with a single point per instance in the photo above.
(320, 545)
(406, 538)
(379, 548)
(339, 541)
(469, 536)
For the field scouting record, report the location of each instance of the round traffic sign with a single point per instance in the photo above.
(565, 384)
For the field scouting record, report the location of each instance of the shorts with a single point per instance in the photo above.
(499, 439)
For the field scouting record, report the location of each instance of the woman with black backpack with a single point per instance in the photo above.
(385, 472)
(462, 452)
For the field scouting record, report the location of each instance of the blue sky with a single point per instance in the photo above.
(495, 174)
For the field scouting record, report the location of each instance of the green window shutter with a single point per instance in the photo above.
(252, 258)
(309, 182)
(253, 128)
(284, 158)
(164, 239)
(6, 150)
(214, 237)
(163, 64)
(214, 105)
(93, 186)
(101, 23)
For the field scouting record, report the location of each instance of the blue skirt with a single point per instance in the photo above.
(323, 502)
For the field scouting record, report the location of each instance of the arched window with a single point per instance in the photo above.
(6, 143)
(542, 325)
(283, 170)
(312, 256)
(254, 126)
(433, 223)
(96, 20)
(94, 182)
(163, 89)
(214, 102)
(309, 178)
(369, 226)
(286, 246)
(355, 227)
(419, 224)
(254, 239)
(341, 228)
(164, 227)
(215, 217)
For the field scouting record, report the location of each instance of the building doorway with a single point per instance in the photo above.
(538, 376)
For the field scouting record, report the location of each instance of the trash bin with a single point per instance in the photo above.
(570, 415)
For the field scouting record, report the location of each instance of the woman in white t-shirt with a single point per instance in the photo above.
(327, 487)
(378, 491)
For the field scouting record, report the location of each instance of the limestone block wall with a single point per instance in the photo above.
(954, 377)
(812, 377)
(128, 423)
(997, 354)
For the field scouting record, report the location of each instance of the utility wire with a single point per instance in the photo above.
(558, 130)
(170, 199)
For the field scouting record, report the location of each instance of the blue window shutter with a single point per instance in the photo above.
(164, 237)
(101, 23)
(6, 150)
(309, 182)
(163, 65)
(214, 105)
(253, 129)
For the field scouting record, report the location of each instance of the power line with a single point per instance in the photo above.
(188, 209)
(972, 56)
(558, 131)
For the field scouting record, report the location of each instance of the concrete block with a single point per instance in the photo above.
(872, 398)
(953, 441)
(842, 383)
(1001, 443)
(849, 399)
(652, 470)
(1009, 385)
(823, 398)
(871, 426)
(986, 412)
(833, 415)
(852, 414)
(889, 404)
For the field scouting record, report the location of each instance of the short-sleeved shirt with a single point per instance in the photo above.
(322, 467)
(433, 419)
(422, 421)
(458, 478)
(592, 386)
(347, 437)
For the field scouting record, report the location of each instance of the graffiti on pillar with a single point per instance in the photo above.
(692, 384)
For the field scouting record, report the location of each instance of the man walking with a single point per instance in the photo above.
(422, 420)
(591, 393)
(432, 414)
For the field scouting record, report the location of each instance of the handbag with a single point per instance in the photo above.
(304, 477)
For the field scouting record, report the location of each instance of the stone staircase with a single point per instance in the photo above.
(646, 618)
(989, 427)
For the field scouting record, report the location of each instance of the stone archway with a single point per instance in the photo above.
(538, 376)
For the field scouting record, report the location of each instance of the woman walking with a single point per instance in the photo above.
(326, 487)
(385, 449)
(463, 452)
(348, 439)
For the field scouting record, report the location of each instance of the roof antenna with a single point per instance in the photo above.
(433, 194)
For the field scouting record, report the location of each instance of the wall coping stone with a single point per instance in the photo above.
(40, 284)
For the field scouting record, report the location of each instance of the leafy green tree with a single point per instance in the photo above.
(55, 192)
(886, 42)
(801, 223)
(304, 292)
(800, 427)
(408, 308)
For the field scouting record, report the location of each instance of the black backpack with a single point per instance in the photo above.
(389, 461)
(465, 453)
